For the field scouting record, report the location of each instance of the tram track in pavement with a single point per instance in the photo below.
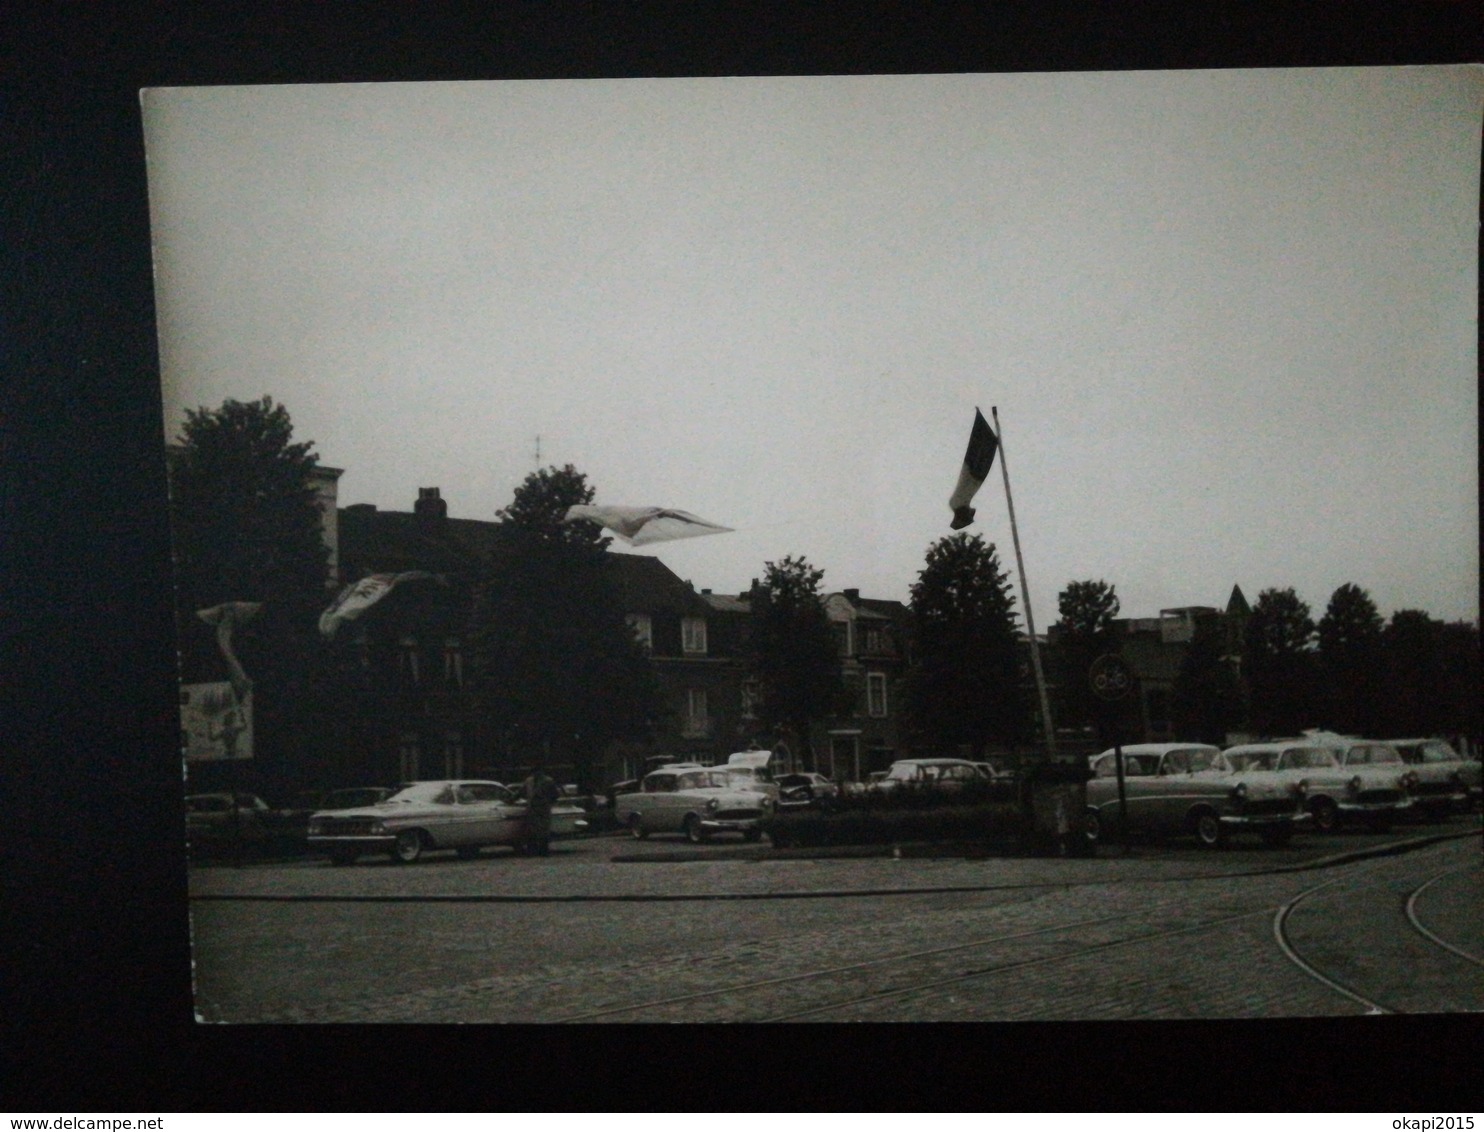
(1343, 983)
(941, 978)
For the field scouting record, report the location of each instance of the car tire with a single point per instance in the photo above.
(1326, 815)
(467, 852)
(408, 847)
(1092, 827)
(636, 827)
(1208, 830)
(1277, 837)
(693, 831)
(340, 858)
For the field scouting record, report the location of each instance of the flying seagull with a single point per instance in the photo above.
(639, 526)
(360, 596)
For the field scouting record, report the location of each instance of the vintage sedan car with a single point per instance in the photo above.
(1189, 788)
(945, 776)
(212, 826)
(1446, 781)
(805, 790)
(1373, 794)
(696, 801)
(752, 770)
(460, 814)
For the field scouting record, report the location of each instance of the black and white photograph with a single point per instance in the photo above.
(986, 547)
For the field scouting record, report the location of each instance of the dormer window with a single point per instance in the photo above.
(693, 636)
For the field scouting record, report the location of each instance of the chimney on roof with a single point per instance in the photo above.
(853, 596)
(705, 591)
(430, 505)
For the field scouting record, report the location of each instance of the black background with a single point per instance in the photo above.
(96, 965)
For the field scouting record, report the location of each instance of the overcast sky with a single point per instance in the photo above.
(1229, 318)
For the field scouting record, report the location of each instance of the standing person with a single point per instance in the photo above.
(541, 793)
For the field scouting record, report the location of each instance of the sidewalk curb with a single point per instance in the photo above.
(1390, 849)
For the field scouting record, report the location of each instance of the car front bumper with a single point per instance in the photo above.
(731, 825)
(366, 843)
(1265, 821)
(1375, 808)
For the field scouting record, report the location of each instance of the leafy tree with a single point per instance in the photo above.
(1459, 693)
(557, 667)
(795, 656)
(246, 526)
(1279, 663)
(1085, 632)
(1206, 701)
(541, 503)
(965, 685)
(1350, 661)
(1412, 644)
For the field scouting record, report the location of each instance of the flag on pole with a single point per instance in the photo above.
(360, 596)
(977, 462)
(639, 526)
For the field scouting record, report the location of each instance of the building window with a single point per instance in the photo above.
(697, 719)
(453, 662)
(408, 752)
(643, 630)
(453, 755)
(876, 694)
(693, 635)
(407, 660)
(751, 694)
(874, 640)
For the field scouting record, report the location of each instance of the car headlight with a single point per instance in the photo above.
(1301, 787)
(1239, 792)
(379, 827)
(1355, 785)
(712, 804)
(316, 827)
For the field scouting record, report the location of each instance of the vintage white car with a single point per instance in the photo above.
(1189, 788)
(696, 801)
(1372, 793)
(1446, 781)
(460, 814)
(945, 776)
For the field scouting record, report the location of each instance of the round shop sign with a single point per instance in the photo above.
(1111, 677)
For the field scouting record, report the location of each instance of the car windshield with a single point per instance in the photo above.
(419, 792)
(1303, 757)
(903, 772)
(1250, 760)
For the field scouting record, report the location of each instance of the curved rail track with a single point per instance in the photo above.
(991, 966)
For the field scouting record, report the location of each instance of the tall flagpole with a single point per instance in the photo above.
(1025, 595)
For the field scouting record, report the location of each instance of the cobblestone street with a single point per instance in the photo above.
(602, 931)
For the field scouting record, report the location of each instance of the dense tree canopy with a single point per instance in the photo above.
(1350, 662)
(1279, 663)
(246, 526)
(1085, 632)
(965, 686)
(795, 656)
(557, 667)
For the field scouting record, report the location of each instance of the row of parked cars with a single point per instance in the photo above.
(1318, 780)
